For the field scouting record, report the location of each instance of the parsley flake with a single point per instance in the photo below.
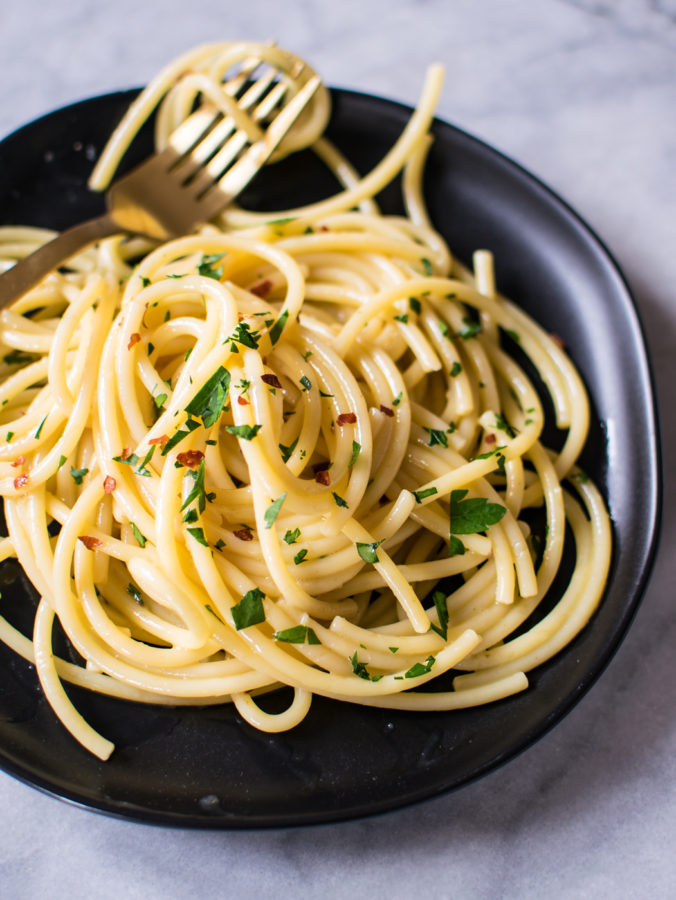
(272, 511)
(441, 606)
(291, 536)
(246, 432)
(368, 551)
(426, 492)
(278, 327)
(78, 474)
(419, 669)
(249, 610)
(208, 267)
(141, 539)
(208, 402)
(299, 634)
(473, 515)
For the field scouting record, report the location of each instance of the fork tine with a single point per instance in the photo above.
(217, 195)
(206, 174)
(225, 141)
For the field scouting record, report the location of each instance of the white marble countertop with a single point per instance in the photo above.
(582, 93)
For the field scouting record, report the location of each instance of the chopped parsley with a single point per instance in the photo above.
(402, 317)
(198, 534)
(368, 551)
(208, 267)
(300, 556)
(441, 606)
(287, 451)
(197, 492)
(141, 539)
(249, 610)
(415, 304)
(455, 546)
(299, 634)
(291, 536)
(39, 431)
(360, 669)
(208, 402)
(143, 468)
(469, 329)
(306, 383)
(437, 437)
(473, 515)
(246, 432)
(272, 511)
(339, 500)
(278, 327)
(356, 450)
(419, 669)
(78, 474)
(243, 335)
(426, 492)
(456, 369)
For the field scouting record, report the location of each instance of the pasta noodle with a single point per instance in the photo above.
(300, 449)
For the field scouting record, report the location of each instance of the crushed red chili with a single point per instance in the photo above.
(190, 458)
(262, 289)
(272, 380)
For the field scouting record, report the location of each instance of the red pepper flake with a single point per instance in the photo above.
(348, 418)
(19, 461)
(21, 481)
(242, 401)
(323, 477)
(244, 534)
(262, 289)
(386, 409)
(272, 380)
(126, 453)
(490, 439)
(323, 228)
(133, 340)
(190, 458)
(161, 440)
(91, 543)
(557, 340)
(109, 484)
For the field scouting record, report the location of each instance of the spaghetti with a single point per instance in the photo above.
(295, 452)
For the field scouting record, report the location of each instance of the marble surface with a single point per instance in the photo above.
(582, 93)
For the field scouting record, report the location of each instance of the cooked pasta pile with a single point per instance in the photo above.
(288, 450)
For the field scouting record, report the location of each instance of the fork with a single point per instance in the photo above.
(209, 160)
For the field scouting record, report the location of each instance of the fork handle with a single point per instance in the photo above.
(28, 271)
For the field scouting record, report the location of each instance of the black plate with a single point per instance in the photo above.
(205, 767)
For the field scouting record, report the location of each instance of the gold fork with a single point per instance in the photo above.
(210, 158)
